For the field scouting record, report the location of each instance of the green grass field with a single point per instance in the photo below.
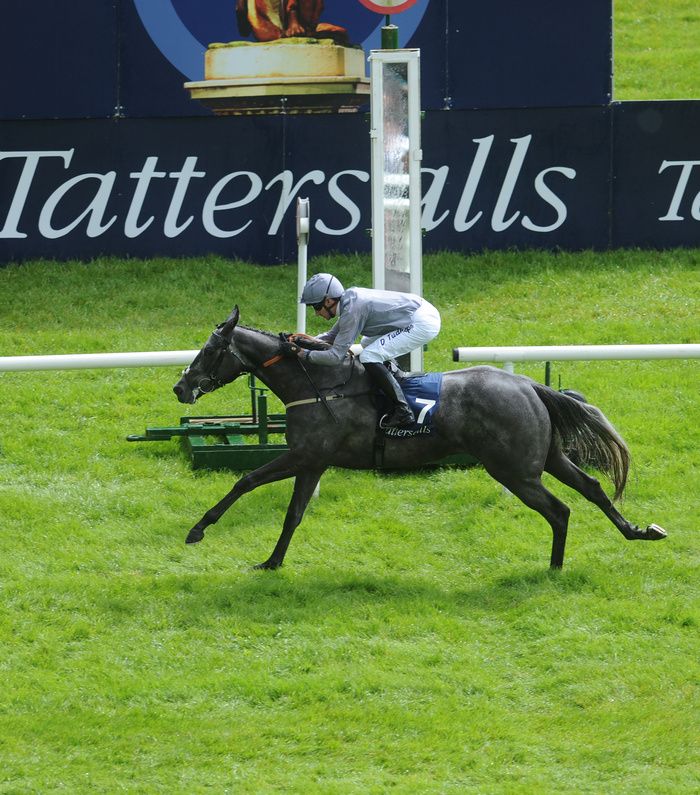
(656, 49)
(415, 640)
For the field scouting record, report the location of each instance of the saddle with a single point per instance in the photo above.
(422, 393)
(421, 390)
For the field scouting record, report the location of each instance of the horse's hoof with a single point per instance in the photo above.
(268, 565)
(194, 536)
(654, 532)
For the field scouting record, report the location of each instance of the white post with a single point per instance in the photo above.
(397, 246)
(303, 229)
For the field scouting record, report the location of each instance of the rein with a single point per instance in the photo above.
(247, 365)
(319, 397)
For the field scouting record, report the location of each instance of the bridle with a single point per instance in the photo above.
(209, 383)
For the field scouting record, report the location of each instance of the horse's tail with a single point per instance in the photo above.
(587, 436)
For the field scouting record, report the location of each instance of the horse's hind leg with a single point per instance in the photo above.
(568, 473)
(304, 486)
(530, 491)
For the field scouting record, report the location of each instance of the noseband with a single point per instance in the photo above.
(211, 382)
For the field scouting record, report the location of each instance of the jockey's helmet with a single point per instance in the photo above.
(320, 287)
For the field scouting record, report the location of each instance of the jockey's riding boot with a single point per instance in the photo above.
(401, 415)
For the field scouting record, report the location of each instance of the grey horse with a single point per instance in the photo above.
(514, 427)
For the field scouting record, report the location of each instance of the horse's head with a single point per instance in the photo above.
(214, 366)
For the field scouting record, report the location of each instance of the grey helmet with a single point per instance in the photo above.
(319, 287)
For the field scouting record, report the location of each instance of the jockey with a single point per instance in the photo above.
(391, 324)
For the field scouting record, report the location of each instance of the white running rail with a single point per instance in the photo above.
(561, 353)
(88, 361)
(508, 355)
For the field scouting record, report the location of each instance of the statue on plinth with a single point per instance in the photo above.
(269, 20)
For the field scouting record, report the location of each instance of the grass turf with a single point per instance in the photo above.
(415, 639)
(656, 49)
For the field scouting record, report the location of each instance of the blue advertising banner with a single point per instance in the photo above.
(656, 198)
(131, 58)
(109, 145)
(547, 178)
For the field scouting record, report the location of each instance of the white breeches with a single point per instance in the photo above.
(424, 327)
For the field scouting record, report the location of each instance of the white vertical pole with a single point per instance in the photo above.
(376, 134)
(303, 228)
(415, 155)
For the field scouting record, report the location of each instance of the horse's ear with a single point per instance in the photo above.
(231, 322)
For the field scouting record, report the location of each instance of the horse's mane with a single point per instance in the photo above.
(308, 344)
(258, 331)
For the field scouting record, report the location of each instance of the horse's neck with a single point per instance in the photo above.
(287, 378)
(255, 346)
(259, 350)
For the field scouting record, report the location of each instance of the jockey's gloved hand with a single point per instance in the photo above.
(289, 349)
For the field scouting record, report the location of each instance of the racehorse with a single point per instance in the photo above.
(513, 426)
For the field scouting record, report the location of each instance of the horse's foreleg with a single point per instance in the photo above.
(279, 469)
(304, 486)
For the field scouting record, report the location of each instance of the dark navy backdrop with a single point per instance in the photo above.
(96, 58)
(546, 178)
(103, 151)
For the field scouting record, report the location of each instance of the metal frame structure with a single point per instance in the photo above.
(396, 156)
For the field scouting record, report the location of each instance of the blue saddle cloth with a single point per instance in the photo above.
(422, 393)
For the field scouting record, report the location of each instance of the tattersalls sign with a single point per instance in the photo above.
(490, 180)
(102, 150)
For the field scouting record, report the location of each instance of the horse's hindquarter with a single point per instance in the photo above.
(491, 414)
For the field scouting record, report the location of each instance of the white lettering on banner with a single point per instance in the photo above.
(344, 201)
(31, 160)
(233, 196)
(475, 172)
(143, 177)
(432, 195)
(289, 191)
(95, 209)
(686, 167)
(551, 198)
(210, 205)
(498, 221)
(171, 227)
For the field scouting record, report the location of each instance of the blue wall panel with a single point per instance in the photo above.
(656, 199)
(87, 57)
(59, 59)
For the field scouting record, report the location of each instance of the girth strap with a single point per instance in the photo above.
(312, 400)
